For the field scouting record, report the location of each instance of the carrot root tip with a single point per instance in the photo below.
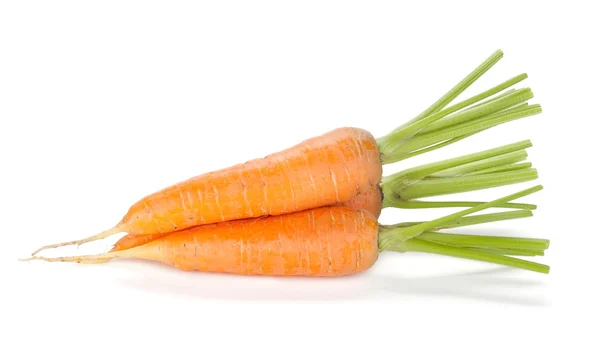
(93, 259)
(99, 236)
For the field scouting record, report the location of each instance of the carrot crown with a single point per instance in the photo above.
(437, 127)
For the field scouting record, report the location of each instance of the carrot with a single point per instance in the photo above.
(325, 170)
(370, 201)
(327, 241)
(486, 169)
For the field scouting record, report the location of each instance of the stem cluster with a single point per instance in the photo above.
(424, 237)
(438, 126)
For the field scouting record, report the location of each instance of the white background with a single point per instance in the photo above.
(104, 102)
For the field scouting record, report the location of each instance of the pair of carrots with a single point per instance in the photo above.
(312, 209)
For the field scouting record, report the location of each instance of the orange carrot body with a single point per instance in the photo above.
(320, 171)
(370, 201)
(329, 241)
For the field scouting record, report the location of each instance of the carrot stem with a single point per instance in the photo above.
(500, 103)
(418, 237)
(506, 93)
(503, 168)
(456, 175)
(511, 252)
(422, 171)
(479, 109)
(459, 138)
(485, 241)
(458, 88)
(471, 220)
(388, 236)
(418, 245)
(412, 231)
(421, 204)
(403, 149)
(444, 186)
(430, 148)
(435, 117)
(470, 127)
(485, 164)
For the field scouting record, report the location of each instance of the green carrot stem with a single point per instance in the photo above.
(503, 94)
(502, 168)
(489, 120)
(422, 171)
(437, 126)
(485, 241)
(444, 186)
(469, 220)
(393, 146)
(516, 106)
(496, 105)
(422, 181)
(486, 164)
(399, 203)
(430, 148)
(463, 130)
(418, 245)
(412, 231)
(508, 112)
(456, 139)
(511, 252)
(460, 87)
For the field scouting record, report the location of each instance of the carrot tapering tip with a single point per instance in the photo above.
(100, 236)
(92, 259)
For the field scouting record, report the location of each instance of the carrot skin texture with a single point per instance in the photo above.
(324, 170)
(329, 241)
(369, 200)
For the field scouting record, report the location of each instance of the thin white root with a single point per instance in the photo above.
(100, 236)
(90, 259)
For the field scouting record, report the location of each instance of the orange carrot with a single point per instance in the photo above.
(328, 241)
(327, 170)
(370, 201)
